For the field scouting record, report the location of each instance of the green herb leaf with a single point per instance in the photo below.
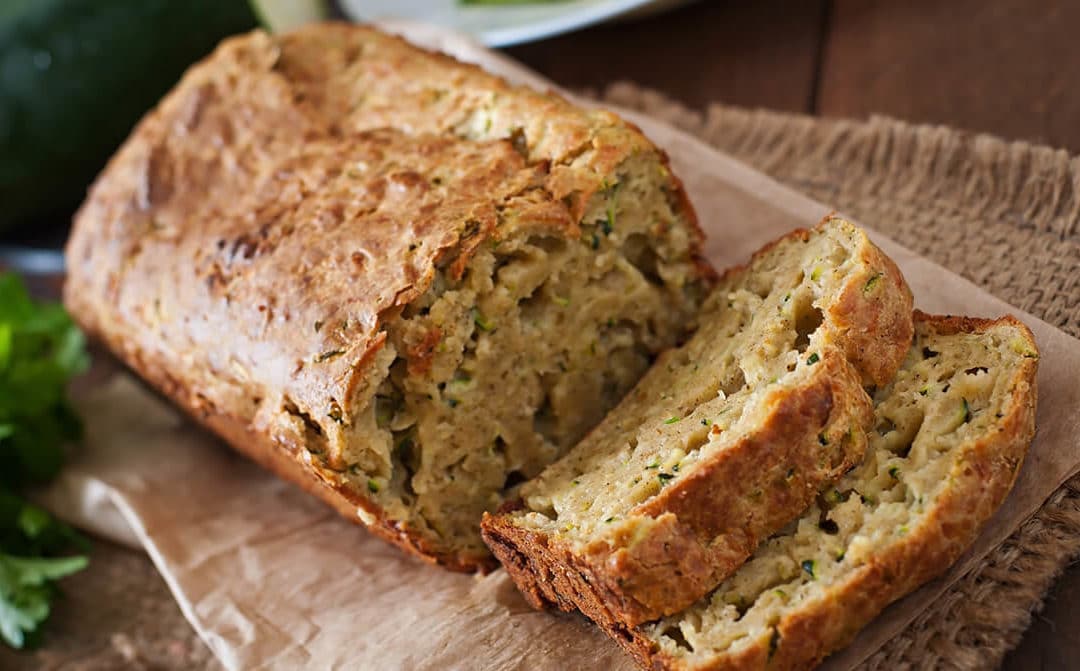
(26, 588)
(671, 420)
(40, 350)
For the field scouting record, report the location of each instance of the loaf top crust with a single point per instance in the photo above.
(216, 236)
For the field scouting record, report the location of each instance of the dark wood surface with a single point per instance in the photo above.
(758, 54)
(1007, 67)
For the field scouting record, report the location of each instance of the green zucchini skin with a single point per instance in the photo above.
(75, 77)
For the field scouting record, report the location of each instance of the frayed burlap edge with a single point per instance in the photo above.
(1004, 214)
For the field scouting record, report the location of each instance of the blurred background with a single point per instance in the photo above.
(75, 75)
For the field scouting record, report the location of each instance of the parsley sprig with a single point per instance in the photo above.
(40, 350)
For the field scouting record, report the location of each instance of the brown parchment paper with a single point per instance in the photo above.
(270, 579)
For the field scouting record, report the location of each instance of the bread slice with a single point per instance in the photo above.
(392, 278)
(723, 442)
(952, 431)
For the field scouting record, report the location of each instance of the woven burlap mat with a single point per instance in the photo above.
(1005, 215)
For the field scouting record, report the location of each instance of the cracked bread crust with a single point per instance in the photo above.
(675, 546)
(247, 247)
(982, 471)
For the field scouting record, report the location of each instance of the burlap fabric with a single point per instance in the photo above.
(1006, 215)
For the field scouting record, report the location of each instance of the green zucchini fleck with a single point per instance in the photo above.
(373, 486)
(327, 355)
(809, 565)
(671, 420)
(812, 359)
(482, 322)
(871, 283)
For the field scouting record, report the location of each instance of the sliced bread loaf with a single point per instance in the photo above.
(317, 247)
(951, 433)
(723, 442)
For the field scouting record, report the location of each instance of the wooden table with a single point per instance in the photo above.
(1006, 67)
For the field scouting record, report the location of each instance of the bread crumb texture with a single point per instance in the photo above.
(950, 435)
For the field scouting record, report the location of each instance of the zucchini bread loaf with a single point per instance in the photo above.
(951, 433)
(723, 442)
(391, 277)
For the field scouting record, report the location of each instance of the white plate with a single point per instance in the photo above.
(498, 26)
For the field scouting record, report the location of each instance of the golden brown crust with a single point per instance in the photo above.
(425, 91)
(246, 245)
(873, 315)
(983, 477)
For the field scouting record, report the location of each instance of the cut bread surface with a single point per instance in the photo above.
(404, 309)
(724, 441)
(951, 434)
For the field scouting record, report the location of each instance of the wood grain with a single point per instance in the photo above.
(755, 54)
(1007, 67)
